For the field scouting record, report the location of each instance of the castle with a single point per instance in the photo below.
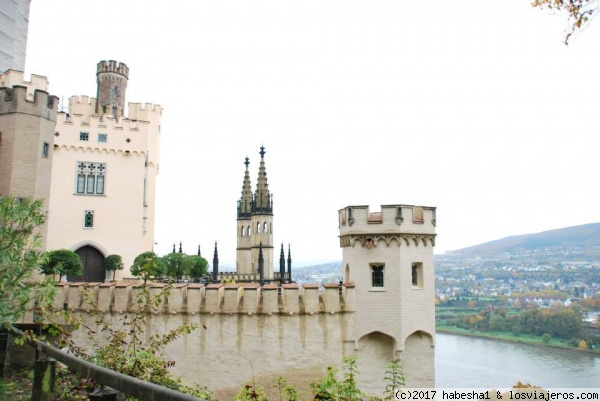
(104, 174)
(94, 165)
(383, 312)
(99, 168)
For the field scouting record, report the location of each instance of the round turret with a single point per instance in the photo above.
(112, 80)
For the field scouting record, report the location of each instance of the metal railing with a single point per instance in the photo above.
(140, 389)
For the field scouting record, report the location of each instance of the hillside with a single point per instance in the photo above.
(584, 236)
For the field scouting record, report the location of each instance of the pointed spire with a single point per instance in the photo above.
(174, 249)
(245, 202)
(282, 265)
(289, 263)
(215, 263)
(199, 253)
(261, 264)
(262, 197)
(180, 249)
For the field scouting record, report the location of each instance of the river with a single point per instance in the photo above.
(462, 361)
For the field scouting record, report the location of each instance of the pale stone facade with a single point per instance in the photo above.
(388, 255)
(104, 175)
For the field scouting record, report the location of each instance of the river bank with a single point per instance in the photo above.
(510, 337)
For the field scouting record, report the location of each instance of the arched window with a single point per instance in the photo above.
(258, 228)
(249, 232)
(377, 275)
(265, 228)
(242, 231)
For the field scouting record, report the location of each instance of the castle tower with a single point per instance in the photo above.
(112, 80)
(262, 220)
(244, 221)
(255, 223)
(104, 176)
(388, 255)
(27, 119)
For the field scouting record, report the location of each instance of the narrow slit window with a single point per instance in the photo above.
(417, 274)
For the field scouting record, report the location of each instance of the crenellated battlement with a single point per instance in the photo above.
(192, 299)
(13, 78)
(144, 111)
(404, 224)
(113, 66)
(86, 106)
(28, 100)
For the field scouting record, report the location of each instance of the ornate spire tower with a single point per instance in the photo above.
(244, 229)
(255, 223)
(262, 220)
(112, 80)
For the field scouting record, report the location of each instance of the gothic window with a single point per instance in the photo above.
(417, 274)
(88, 219)
(377, 275)
(258, 228)
(84, 136)
(249, 232)
(90, 178)
(102, 138)
(265, 228)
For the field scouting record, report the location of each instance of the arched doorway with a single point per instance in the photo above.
(93, 265)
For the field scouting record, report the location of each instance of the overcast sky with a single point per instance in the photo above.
(474, 107)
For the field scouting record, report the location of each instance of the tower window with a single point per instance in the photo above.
(90, 178)
(258, 228)
(249, 231)
(417, 274)
(265, 228)
(102, 137)
(88, 219)
(84, 136)
(377, 275)
(45, 149)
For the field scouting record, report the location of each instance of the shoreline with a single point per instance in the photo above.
(517, 340)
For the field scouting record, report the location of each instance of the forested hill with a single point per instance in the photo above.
(584, 236)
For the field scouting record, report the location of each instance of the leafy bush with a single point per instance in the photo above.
(62, 262)
(113, 263)
(20, 255)
(330, 388)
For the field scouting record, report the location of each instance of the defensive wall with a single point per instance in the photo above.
(246, 332)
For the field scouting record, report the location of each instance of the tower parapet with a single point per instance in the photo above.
(12, 78)
(114, 67)
(393, 223)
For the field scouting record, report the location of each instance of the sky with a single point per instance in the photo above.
(474, 107)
